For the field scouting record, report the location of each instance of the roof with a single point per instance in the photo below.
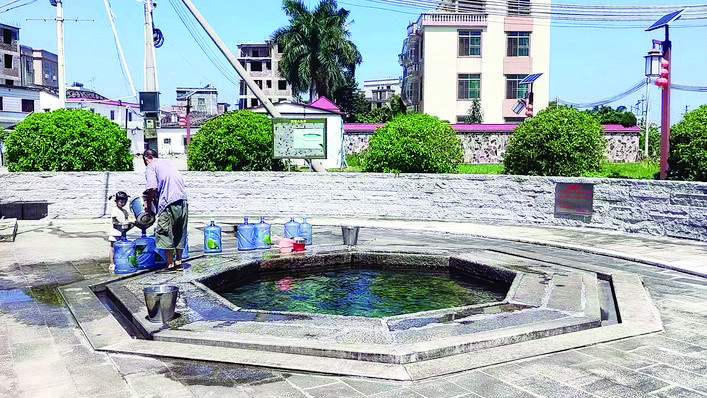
(324, 104)
(480, 128)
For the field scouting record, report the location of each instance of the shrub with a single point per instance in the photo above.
(234, 141)
(67, 140)
(688, 147)
(557, 142)
(413, 144)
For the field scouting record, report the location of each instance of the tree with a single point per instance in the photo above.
(476, 114)
(234, 141)
(413, 144)
(688, 147)
(317, 53)
(557, 142)
(67, 140)
(351, 100)
(608, 115)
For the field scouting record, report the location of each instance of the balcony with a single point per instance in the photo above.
(448, 18)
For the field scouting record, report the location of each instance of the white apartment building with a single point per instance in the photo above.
(477, 49)
(260, 61)
(379, 91)
(203, 100)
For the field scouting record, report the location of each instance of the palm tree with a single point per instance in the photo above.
(317, 52)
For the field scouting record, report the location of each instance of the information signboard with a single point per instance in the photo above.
(299, 138)
(574, 199)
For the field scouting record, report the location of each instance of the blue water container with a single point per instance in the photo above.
(291, 229)
(185, 252)
(145, 252)
(262, 234)
(246, 236)
(125, 262)
(212, 238)
(305, 231)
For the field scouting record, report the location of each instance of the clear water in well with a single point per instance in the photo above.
(369, 292)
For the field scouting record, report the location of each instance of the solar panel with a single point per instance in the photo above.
(666, 19)
(530, 78)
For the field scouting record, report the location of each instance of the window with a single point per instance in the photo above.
(513, 90)
(9, 82)
(167, 141)
(469, 43)
(253, 102)
(518, 44)
(519, 7)
(268, 65)
(255, 53)
(27, 105)
(130, 116)
(112, 115)
(243, 89)
(7, 36)
(282, 84)
(280, 48)
(268, 83)
(256, 66)
(8, 61)
(259, 83)
(469, 86)
(1, 105)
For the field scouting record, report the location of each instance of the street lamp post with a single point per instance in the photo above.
(660, 66)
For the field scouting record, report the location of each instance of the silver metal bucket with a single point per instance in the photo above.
(143, 219)
(161, 301)
(350, 234)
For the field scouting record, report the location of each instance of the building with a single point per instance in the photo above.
(380, 91)
(10, 51)
(203, 100)
(39, 68)
(476, 50)
(260, 60)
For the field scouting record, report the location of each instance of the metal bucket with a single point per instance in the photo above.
(143, 219)
(350, 235)
(161, 301)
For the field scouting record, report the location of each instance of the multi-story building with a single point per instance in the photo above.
(260, 61)
(379, 91)
(10, 52)
(39, 68)
(481, 50)
(203, 100)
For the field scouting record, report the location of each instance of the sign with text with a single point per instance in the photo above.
(299, 138)
(574, 199)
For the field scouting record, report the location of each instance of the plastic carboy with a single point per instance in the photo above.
(305, 231)
(145, 252)
(246, 236)
(291, 229)
(262, 234)
(212, 238)
(125, 262)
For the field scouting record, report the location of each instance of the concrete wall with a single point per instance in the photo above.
(676, 209)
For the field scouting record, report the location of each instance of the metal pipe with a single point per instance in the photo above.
(665, 112)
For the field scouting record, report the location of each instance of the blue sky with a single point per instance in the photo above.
(588, 64)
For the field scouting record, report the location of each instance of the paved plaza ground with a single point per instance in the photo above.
(44, 353)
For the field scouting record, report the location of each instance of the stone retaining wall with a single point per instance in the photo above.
(663, 208)
(482, 147)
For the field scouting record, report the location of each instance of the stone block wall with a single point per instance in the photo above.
(482, 147)
(663, 208)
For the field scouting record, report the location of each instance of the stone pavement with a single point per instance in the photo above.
(43, 353)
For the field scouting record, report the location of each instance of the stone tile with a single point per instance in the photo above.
(547, 387)
(156, 385)
(217, 374)
(77, 357)
(677, 376)
(305, 381)
(610, 389)
(511, 371)
(482, 384)
(677, 392)
(617, 357)
(338, 389)
(370, 387)
(68, 336)
(613, 374)
(8, 378)
(28, 333)
(98, 380)
(439, 389)
(676, 359)
(41, 373)
(63, 390)
(399, 393)
(202, 391)
(132, 364)
(33, 351)
(278, 389)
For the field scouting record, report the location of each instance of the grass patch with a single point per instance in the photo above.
(480, 169)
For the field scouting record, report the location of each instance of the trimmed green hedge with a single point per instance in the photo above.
(67, 140)
(234, 141)
(688, 147)
(413, 144)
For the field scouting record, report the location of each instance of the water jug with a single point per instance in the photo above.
(262, 234)
(125, 262)
(305, 231)
(145, 252)
(291, 229)
(212, 238)
(246, 236)
(185, 252)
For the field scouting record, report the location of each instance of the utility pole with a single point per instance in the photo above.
(59, 4)
(150, 98)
